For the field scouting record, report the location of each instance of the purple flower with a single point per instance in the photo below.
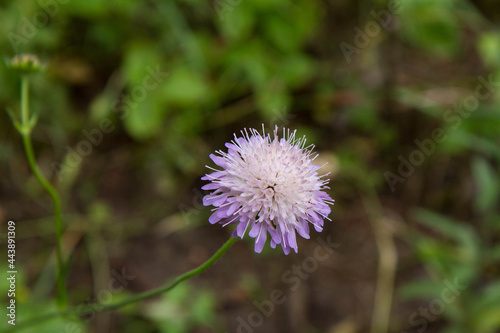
(268, 185)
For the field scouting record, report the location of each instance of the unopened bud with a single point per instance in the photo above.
(25, 63)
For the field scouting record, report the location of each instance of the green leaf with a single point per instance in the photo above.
(462, 260)
(455, 328)
(184, 87)
(431, 26)
(272, 99)
(487, 321)
(488, 298)
(363, 116)
(26, 311)
(457, 231)
(477, 143)
(140, 58)
(235, 21)
(89, 8)
(183, 309)
(493, 254)
(488, 46)
(143, 119)
(296, 69)
(204, 308)
(486, 184)
(251, 59)
(282, 33)
(420, 289)
(266, 4)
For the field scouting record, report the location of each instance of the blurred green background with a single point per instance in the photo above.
(400, 98)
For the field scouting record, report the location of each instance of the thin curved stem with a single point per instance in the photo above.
(28, 148)
(165, 288)
(92, 308)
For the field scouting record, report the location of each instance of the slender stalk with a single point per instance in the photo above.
(387, 255)
(92, 308)
(25, 99)
(165, 288)
(28, 148)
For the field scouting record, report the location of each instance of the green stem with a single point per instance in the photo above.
(133, 299)
(25, 109)
(167, 287)
(28, 148)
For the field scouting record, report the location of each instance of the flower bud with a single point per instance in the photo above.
(25, 63)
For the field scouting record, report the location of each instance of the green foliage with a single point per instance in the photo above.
(225, 65)
(488, 185)
(183, 310)
(26, 308)
(489, 48)
(431, 26)
(457, 254)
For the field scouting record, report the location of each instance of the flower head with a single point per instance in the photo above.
(268, 186)
(25, 63)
